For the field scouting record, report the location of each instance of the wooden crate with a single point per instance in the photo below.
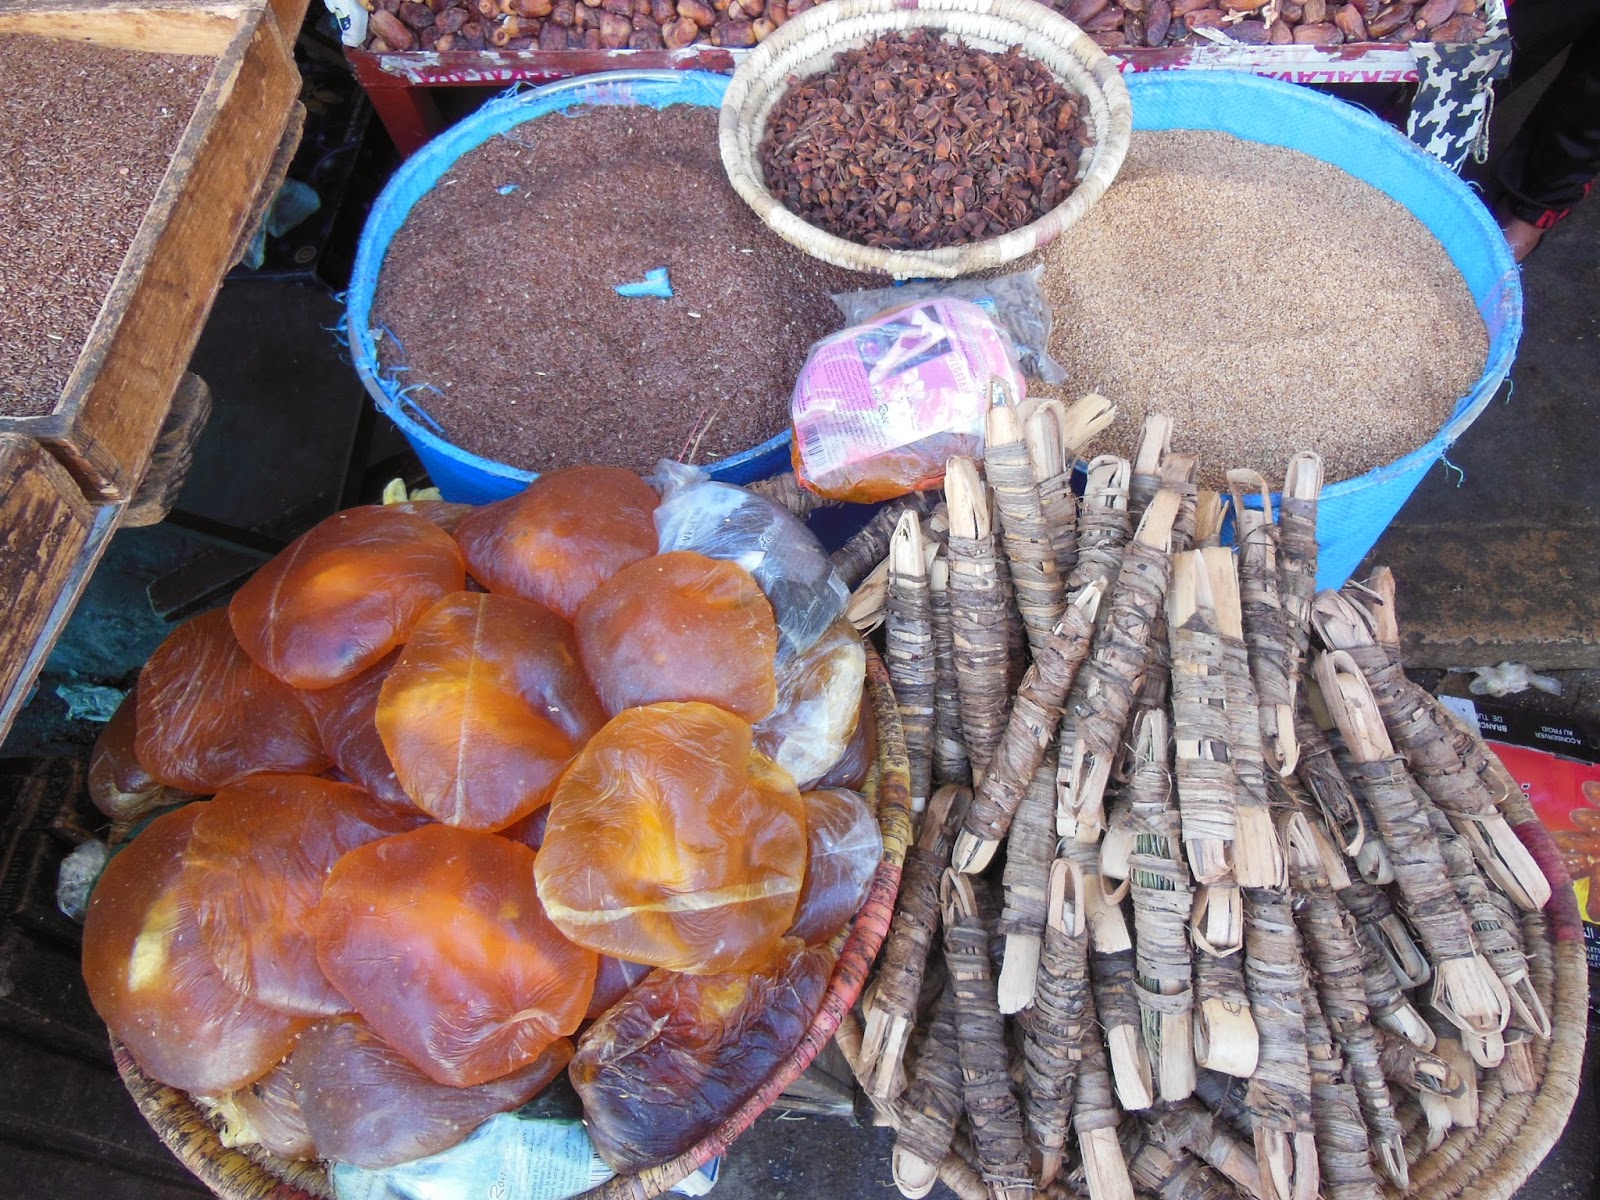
(51, 537)
(105, 424)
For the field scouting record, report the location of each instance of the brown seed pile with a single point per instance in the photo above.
(1274, 22)
(1268, 301)
(85, 136)
(914, 142)
(499, 291)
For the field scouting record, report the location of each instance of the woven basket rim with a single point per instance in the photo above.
(761, 79)
(238, 1174)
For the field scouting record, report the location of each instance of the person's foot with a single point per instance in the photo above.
(1522, 236)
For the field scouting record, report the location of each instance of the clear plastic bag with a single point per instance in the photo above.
(819, 703)
(879, 408)
(784, 557)
(1015, 302)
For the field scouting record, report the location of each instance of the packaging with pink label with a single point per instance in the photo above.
(879, 407)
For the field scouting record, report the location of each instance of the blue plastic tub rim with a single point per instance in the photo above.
(401, 401)
(1175, 100)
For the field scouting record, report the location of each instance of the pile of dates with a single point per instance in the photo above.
(1150, 23)
(448, 800)
(443, 25)
(672, 24)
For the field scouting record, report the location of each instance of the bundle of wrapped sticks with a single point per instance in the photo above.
(1207, 899)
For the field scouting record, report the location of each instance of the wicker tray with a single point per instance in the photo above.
(807, 44)
(238, 1175)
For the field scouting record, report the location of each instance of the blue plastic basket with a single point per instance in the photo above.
(1355, 512)
(458, 474)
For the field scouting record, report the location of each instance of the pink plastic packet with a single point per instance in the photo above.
(879, 407)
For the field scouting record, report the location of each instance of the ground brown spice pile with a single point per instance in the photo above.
(85, 137)
(502, 299)
(1268, 301)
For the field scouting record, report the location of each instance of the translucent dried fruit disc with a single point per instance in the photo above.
(346, 716)
(681, 626)
(208, 716)
(439, 940)
(266, 1113)
(257, 859)
(568, 532)
(365, 1104)
(673, 842)
(152, 979)
(485, 708)
(846, 846)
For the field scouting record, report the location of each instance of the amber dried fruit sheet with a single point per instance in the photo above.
(680, 1052)
(570, 531)
(346, 717)
(486, 706)
(118, 785)
(439, 941)
(681, 626)
(207, 716)
(365, 1104)
(673, 841)
(344, 594)
(152, 979)
(265, 1113)
(845, 847)
(257, 859)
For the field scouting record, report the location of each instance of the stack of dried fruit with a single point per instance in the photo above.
(738, 24)
(1118, 23)
(1261, 912)
(914, 142)
(447, 826)
(442, 25)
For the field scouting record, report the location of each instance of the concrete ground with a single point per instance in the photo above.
(1496, 560)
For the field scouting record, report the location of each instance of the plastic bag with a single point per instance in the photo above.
(1013, 301)
(819, 705)
(784, 557)
(880, 407)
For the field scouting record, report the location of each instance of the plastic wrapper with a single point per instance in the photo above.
(153, 982)
(365, 1104)
(485, 707)
(819, 703)
(673, 841)
(671, 1061)
(80, 871)
(439, 940)
(344, 594)
(346, 717)
(1014, 302)
(257, 859)
(856, 763)
(845, 847)
(570, 531)
(879, 408)
(265, 1113)
(682, 627)
(118, 785)
(509, 1155)
(208, 716)
(782, 555)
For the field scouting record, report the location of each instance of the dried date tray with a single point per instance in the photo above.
(808, 44)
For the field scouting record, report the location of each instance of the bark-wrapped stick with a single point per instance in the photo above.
(1192, 1128)
(1297, 553)
(1342, 1156)
(1144, 471)
(1030, 851)
(1095, 1118)
(1225, 1035)
(1114, 671)
(1329, 935)
(869, 546)
(994, 1116)
(1466, 989)
(978, 618)
(930, 1108)
(1266, 627)
(1280, 1087)
(1035, 717)
(1163, 899)
(1059, 1020)
(1040, 584)
(1111, 977)
(908, 651)
(1257, 856)
(1176, 1176)
(949, 742)
(1409, 1066)
(891, 1008)
(1104, 526)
